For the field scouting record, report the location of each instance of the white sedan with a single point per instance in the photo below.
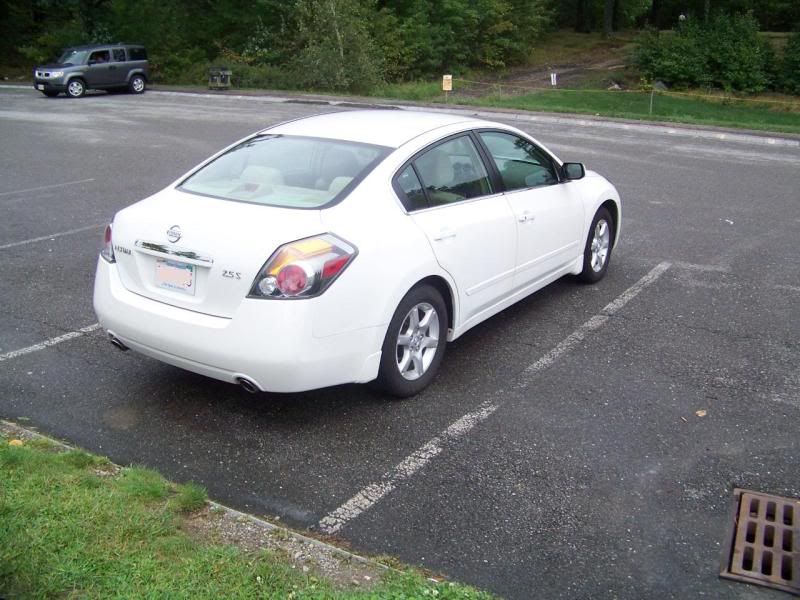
(348, 247)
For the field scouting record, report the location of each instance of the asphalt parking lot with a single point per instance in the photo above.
(559, 453)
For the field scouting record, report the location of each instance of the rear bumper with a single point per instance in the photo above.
(268, 342)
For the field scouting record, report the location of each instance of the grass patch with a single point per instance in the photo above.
(416, 91)
(68, 531)
(635, 105)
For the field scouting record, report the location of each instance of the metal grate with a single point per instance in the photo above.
(762, 546)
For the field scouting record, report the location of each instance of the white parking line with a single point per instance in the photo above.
(51, 342)
(365, 499)
(46, 187)
(52, 236)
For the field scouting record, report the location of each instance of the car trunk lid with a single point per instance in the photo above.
(201, 253)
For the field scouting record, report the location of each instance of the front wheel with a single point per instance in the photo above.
(137, 84)
(76, 88)
(415, 342)
(597, 252)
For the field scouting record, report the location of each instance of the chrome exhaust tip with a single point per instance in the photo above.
(117, 343)
(248, 385)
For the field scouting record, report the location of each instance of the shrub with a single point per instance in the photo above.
(726, 52)
(790, 66)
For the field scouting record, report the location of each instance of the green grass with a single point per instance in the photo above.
(635, 105)
(72, 527)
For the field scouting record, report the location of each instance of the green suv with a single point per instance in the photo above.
(111, 67)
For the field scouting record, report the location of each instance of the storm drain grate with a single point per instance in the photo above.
(763, 544)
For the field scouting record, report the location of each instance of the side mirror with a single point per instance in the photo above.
(92, 62)
(571, 171)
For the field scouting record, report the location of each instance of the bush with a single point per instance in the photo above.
(726, 52)
(790, 66)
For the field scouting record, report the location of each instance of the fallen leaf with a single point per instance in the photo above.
(684, 419)
(701, 413)
(16, 443)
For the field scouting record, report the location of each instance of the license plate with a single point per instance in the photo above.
(40, 86)
(175, 276)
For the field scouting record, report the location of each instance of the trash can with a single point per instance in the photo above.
(219, 78)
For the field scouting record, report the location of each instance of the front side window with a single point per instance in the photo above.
(287, 171)
(453, 171)
(520, 163)
(100, 56)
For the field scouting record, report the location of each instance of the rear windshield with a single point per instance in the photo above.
(286, 171)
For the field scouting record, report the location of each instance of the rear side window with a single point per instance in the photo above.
(137, 53)
(412, 195)
(453, 171)
(119, 54)
(520, 163)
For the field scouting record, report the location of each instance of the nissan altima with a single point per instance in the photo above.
(348, 247)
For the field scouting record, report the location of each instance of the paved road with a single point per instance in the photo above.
(581, 469)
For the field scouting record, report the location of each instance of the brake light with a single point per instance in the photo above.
(304, 268)
(107, 251)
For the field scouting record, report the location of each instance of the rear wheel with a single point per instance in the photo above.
(597, 252)
(137, 84)
(415, 342)
(76, 88)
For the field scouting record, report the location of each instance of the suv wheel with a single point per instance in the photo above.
(137, 84)
(76, 88)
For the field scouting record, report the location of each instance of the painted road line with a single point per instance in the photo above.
(370, 495)
(52, 236)
(597, 321)
(51, 342)
(374, 492)
(46, 187)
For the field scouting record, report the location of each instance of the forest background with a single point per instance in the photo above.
(361, 45)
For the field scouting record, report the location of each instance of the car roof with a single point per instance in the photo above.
(95, 46)
(382, 127)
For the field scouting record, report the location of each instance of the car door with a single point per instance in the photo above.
(469, 225)
(117, 69)
(548, 213)
(97, 71)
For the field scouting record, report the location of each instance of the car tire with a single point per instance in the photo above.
(597, 252)
(408, 361)
(50, 93)
(76, 88)
(137, 84)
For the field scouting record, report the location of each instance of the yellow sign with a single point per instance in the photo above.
(447, 83)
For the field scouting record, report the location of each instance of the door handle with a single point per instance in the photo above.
(526, 217)
(444, 234)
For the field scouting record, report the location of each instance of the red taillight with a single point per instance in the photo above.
(333, 266)
(304, 268)
(292, 280)
(107, 252)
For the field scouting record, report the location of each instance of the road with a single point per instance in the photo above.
(559, 453)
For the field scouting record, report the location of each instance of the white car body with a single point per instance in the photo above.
(486, 253)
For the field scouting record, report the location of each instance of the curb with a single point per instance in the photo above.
(746, 136)
(335, 551)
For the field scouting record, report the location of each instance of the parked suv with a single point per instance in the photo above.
(111, 67)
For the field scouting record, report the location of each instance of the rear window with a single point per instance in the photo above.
(286, 171)
(137, 53)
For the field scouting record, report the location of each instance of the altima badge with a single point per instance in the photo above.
(174, 233)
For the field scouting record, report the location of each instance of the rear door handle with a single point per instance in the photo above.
(444, 234)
